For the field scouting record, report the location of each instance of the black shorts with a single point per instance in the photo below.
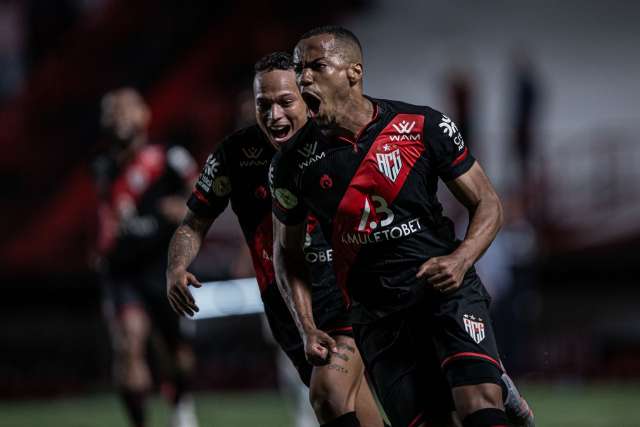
(147, 292)
(416, 355)
(331, 317)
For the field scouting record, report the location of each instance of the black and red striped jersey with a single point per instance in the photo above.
(375, 198)
(237, 172)
(133, 231)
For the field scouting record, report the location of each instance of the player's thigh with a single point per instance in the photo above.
(392, 369)
(127, 317)
(403, 367)
(464, 338)
(339, 380)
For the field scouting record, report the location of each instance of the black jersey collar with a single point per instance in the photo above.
(374, 119)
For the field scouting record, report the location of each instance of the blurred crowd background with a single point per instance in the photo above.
(547, 95)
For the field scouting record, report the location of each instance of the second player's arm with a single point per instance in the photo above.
(183, 249)
(474, 190)
(292, 276)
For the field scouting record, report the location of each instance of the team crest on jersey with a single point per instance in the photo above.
(389, 161)
(222, 186)
(474, 327)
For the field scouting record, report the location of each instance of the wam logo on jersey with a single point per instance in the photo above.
(252, 152)
(309, 149)
(253, 155)
(474, 327)
(389, 161)
(404, 129)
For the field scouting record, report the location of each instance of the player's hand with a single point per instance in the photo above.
(178, 293)
(443, 273)
(318, 346)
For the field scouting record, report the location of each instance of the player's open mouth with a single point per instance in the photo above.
(280, 133)
(313, 102)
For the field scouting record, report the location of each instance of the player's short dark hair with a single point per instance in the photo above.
(336, 31)
(274, 61)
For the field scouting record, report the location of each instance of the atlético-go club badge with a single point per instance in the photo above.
(474, 327)
(222, 186)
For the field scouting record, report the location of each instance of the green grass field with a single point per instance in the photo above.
(555, 406)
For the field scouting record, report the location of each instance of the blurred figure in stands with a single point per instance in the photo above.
(142, 189)
(526, 102)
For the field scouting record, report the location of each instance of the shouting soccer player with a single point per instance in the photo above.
(238, 172)
(368, 170)
(142, 189)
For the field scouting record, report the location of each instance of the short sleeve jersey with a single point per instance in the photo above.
(237, 172)
(133, 233)
(375, 198)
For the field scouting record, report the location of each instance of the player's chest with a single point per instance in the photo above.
(385, 171)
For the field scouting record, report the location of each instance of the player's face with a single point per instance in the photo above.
(280, 110)
(322, 76)
(124, 115)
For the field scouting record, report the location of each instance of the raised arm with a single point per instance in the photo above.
(183, 248)
(292, 276)
(474, 190)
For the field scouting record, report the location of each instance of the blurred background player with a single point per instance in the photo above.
(238, 172)
(142, 189)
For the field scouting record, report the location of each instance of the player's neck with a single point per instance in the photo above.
(355, 115)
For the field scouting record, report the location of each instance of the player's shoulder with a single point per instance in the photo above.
(399, 107)
(250, 136)
(294, 150)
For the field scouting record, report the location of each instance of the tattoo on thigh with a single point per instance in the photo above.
(344, 346)
(338, 368)
(340, 356)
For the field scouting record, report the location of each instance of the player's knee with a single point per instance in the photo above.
(328, 400)
(185, 359)
(476, 385)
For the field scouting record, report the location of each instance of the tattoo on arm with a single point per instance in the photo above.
(186, 241)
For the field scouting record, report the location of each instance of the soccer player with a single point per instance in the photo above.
(368, 170)
(238, 172)
(142, 190)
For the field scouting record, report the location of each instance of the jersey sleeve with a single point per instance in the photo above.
(287, 203)
(181, 162)
(449, 155)
(212, 190)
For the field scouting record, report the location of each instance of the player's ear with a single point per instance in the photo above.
(354, 73)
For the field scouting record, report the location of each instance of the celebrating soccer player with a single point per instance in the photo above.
(368, 170)
(142, 189)
(238, 172)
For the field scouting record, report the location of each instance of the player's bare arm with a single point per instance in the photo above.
(292, 276)
(474, 190)
(183, 248)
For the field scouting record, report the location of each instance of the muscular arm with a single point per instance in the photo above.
(474, 190)
(183, 248)
(292, 276)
